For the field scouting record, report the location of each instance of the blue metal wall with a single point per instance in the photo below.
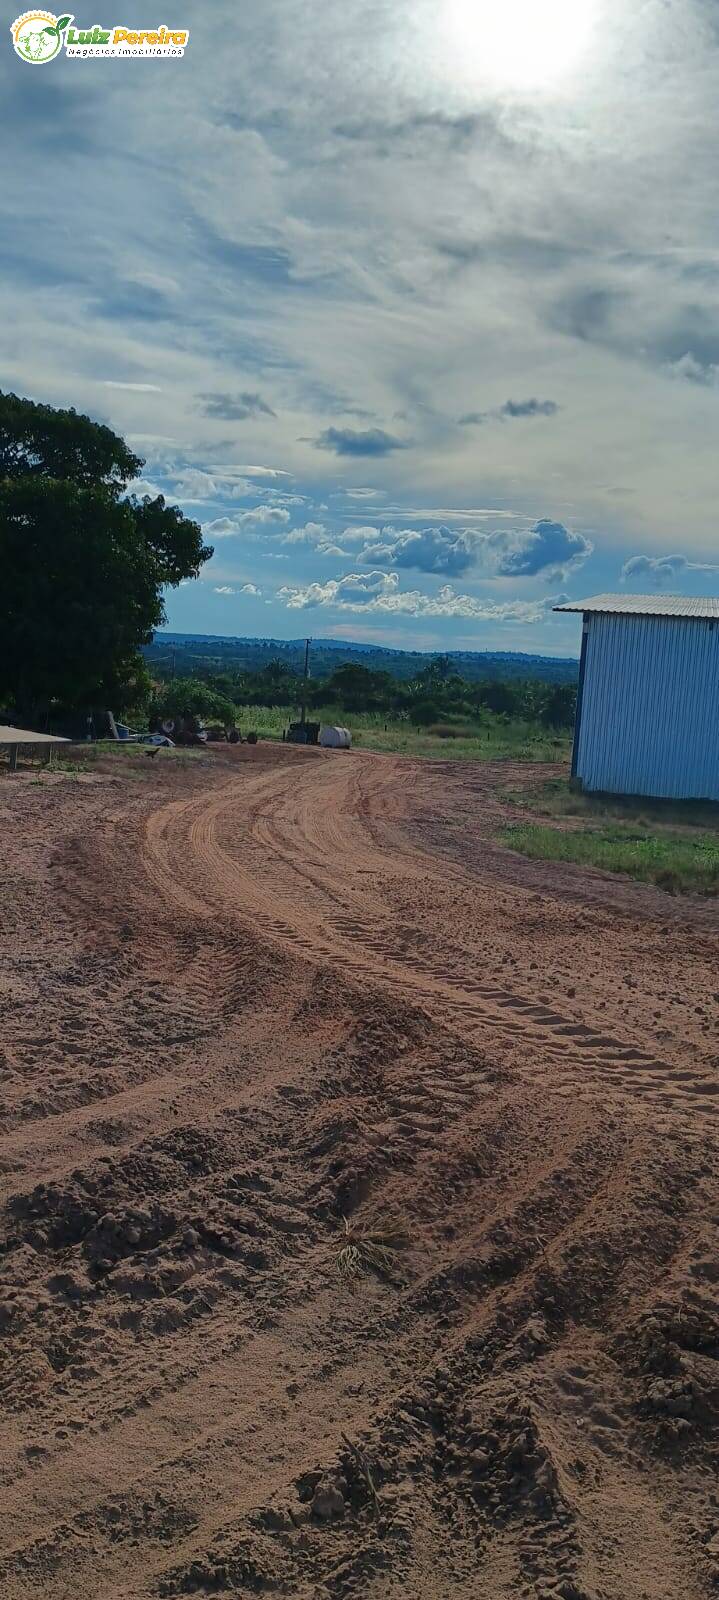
(650, 707)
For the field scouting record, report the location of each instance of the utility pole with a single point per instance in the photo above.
(303, 718)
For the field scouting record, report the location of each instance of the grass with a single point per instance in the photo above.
(489, 738)
(124, 750)
(368, 1250)
(678, 862)
(557, 798)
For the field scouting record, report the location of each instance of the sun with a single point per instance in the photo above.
(520, 44)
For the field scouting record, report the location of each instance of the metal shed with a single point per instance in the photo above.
(13, 738)
(648, 704)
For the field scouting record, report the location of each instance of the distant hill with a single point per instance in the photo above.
(185, 653)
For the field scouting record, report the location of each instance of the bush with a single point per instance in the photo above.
(424, 712)
(193, 696)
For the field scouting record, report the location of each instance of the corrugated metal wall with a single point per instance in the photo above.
(650, 707)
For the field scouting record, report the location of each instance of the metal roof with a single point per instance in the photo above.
(25, 736)
(647, 605)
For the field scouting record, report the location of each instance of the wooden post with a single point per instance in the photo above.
(13, 758)
(303, 718)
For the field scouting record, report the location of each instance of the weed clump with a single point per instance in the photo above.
(366, 1250)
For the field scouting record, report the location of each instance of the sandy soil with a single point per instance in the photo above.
(246, 998)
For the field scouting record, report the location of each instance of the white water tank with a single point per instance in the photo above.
(335, 738)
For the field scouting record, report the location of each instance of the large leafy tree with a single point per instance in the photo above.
(84, 565)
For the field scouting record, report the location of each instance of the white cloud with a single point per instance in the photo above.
(272, 517)
(310, 533)
(430, 221)
(663, 570)
(547, 549)
(221, 528)
(705, 373)
(360, 534)
(250, 588)
(263, 472)
(223, 588)
(143, 486)
(264, 517)
(380, 592)
(136, 388)
(196, 485)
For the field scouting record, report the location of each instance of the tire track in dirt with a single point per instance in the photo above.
(310, 834)
(183, 1361)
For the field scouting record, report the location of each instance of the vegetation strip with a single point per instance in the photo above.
(673, 861)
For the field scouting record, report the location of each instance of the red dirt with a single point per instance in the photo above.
(247, 997)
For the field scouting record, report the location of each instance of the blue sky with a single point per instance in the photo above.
(415, 306)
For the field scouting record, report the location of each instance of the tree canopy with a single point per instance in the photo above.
(84, 563)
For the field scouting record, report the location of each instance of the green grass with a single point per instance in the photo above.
(122, 750)
(674, 861)
(488, 739)
(557, 798)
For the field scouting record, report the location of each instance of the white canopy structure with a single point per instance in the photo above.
(14, 737)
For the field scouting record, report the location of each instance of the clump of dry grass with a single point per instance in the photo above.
(360, 1465)
(369, 1249)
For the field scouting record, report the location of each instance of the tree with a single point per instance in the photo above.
(358, 688)
(38, 441)
(560, 706)
(193, 696)
(84, 564)
(499, 697)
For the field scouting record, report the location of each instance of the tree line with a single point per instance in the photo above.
(437, 693)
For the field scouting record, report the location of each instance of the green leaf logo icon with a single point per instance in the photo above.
(58, 27)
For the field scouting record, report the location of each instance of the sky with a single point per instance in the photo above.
(413, 304)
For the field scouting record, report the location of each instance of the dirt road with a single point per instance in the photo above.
(248, 998)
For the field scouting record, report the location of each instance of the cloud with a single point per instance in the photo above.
(511, 410)
(362, 533)
(311, 533)
(221, 528)
(547, 548)
(262, 472)
(661, 570)
(264, 517)
(354, 591)
(359, 442)
(363, 494)
(429, 549)
(235, 407)
(380, 592)
(195, 484)
(705, 373)
(272, 517)
(143, 486)
(245, 588)
(136, 388)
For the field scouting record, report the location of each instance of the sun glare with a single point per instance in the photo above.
(520, 44)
